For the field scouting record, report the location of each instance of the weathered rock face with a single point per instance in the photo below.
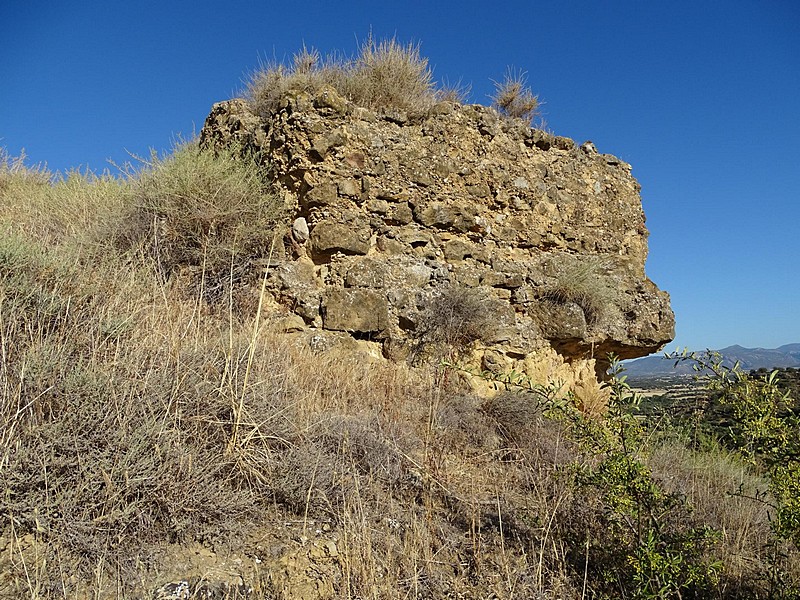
(388, 210)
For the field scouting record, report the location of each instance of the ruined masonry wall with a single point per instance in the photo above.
(388, 209)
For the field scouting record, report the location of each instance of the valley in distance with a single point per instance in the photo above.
(665, 386)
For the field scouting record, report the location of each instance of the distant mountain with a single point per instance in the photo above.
(748, 358)
(793, 349)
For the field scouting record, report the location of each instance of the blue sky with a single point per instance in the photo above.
(701, 97)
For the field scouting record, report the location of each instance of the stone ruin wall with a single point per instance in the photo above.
(387, 210)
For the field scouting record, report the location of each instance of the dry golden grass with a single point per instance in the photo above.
(177, 423)
(514, 98)
(56, 207)
(384, 75)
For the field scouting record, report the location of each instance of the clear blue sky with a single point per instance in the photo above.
(702, 97)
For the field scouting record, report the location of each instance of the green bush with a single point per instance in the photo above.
(764, 429)
(638, 537)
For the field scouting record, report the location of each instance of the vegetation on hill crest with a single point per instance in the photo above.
(384, 75)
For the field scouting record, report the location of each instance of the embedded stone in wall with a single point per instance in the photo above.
(322, 195)
(328, 238)
(355, 309)
(367, 273)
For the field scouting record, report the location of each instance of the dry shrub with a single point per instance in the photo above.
(102, 461)
(456, 93)
(117, 468)
(454, 319)
(201, 210)
(591, 397)
(371, 445)
(314, 472)
(519, 419)
(47, 295)
(514, 98)
(269, 87)
(516, 414)
(116, 406)
(333, 432)
(14, 172)
(462, 423)
(384, 75)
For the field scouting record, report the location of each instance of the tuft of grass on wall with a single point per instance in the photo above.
(583, 282)
(389, 74)
(384, 75)
(513, 97)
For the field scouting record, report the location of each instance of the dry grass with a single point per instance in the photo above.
(384, 75)
(14, 173)
(132, 415)
(57, 207)
(721, 490)
(514, 98)
(123, 414)
(583, 282)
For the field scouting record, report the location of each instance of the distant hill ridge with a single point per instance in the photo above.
(748, 358)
